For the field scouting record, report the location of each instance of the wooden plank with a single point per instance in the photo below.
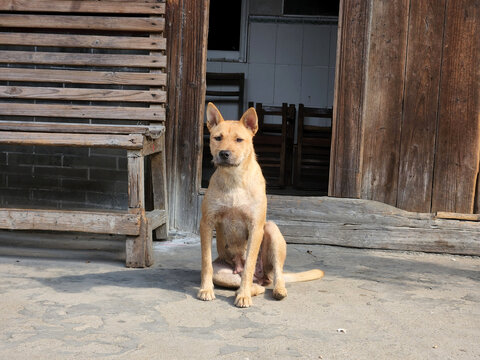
(422, 79)
(136, 193)
(57, 93)
(369, 224)
(83, 41)
(187, 39)
(159, 189)
(347, 136)
(131, 141)
(139, 252)
(72, 6)
(139, 249)
(382, 107)
(104, 23)
(458, 140)
(83, 112)
(156, 218)
(151, 131)
(457, 216)
(83, 77)
(82, 59)
(62, 220)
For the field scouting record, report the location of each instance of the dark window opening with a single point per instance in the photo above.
(224, 25)
(311, 7)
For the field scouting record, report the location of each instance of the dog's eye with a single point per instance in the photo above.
(218, 138)
(239, 140)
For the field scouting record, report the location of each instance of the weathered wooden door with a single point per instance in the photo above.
(406, 119)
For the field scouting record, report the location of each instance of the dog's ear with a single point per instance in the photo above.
(250, 120)
(213, 116)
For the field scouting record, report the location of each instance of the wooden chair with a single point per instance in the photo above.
(89, 74)
(274, 143)
(312, 159)
(233, 93)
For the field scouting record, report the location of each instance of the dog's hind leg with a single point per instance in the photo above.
(274, 252)
(224, 276)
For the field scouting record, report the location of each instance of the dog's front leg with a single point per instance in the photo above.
(244, 293)
(206, 287)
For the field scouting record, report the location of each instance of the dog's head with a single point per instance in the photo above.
(231, 141)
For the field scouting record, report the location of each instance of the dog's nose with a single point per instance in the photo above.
(224, 154)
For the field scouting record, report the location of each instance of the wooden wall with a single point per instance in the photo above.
(407, 101)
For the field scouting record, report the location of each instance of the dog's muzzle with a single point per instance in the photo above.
(225, 158)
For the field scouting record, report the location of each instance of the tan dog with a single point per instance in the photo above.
(235, 205)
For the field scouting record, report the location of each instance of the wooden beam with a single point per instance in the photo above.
(139, 249)
(156, 218)
(82, 59)
(131, 141)
(347, 134)
(83, 41)
(187, 49)
(61, 93)
(457, 216)
(83, 77)
(62, 220)
(84, 112)
(151, 131)
(104, 23)
(84, 6)
(369, 224)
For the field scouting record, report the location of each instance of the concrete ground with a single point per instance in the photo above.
(83, 304)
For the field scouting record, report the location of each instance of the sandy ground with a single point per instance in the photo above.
(84, 304)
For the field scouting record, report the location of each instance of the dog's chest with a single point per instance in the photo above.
(236, 205)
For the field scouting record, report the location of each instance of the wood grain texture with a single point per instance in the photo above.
(458, 139)
(151, 131)
(83, 77)
(107, 23)
(186, 45)
(136, 181)
(132, 141)
(84, 6)
(88, 112)
(63, 220)
(61, 93)
(139, 249)
(347, 136)
(457, 216)
(362, 223)
(83, 41)
(81, 59)
(159, 189)
(419, 123)
(382, 108)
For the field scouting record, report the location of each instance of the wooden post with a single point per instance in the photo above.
(187, 30)
(139, 251)
(159, 185)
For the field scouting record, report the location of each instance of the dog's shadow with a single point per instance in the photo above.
(178, 280)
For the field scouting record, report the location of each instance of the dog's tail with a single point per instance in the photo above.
(303, 276)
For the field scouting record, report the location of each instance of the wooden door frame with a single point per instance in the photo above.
(187, 30)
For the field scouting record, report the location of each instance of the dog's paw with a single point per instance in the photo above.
(243, 300)
(206, 294)
(279, 293)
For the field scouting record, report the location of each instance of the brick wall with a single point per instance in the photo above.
(63, 178)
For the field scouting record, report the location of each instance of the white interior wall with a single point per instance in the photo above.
(289, 59)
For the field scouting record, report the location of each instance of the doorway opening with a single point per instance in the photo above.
(279, 57)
